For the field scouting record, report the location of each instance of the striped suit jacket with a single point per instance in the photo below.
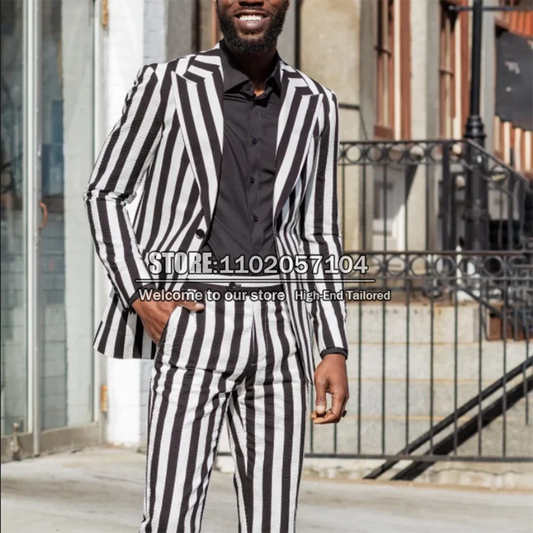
(167, 148)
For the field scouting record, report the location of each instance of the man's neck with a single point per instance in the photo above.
(257, 66)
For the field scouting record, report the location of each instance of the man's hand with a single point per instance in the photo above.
(331, 378)
(155, 314)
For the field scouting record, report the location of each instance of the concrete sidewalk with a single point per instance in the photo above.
(101, 490)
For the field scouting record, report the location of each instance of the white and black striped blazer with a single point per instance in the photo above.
(167, 147)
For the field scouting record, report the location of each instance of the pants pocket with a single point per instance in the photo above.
(164, 334)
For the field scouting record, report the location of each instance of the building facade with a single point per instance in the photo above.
(47, 134)
(400, 69)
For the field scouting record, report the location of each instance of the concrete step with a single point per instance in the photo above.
(396, 356)
(519, 436)
(511, 476)
(390, 321)
(418, 395)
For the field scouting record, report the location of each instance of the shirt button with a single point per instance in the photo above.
(252, 180)
(256, 218)
(254, 140)
(200, 233)
(248, 87)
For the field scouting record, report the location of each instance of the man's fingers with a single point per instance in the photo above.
(155, 335)
(333, 415)
(337, 402)
(192, 305)
(328, 418)
(321, 401)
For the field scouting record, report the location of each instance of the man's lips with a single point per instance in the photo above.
(251, 21)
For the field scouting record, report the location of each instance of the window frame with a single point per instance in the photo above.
(393, 49)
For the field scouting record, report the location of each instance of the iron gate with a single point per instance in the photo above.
(440, 369)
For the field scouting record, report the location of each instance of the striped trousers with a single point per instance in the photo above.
(235, 360)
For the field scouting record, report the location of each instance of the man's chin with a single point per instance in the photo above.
(251, 43)
(251, 36)
(252, 40)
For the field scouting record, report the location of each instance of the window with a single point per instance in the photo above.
(447, 70)
(385, 64)
(393, 57)
(454, 69)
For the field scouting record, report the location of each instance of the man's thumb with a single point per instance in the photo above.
(320, 402)
(192, 305)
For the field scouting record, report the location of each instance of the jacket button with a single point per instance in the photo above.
(200, 233)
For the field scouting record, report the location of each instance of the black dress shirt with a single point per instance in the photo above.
(242, 220)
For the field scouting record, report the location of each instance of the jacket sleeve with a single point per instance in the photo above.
(118, 172)
(321, 237)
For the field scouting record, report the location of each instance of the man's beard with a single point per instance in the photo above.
(252, 46)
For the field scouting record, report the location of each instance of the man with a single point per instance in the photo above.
(236, 153)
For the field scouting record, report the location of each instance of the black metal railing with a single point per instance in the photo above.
(440, 367)
(427, 182)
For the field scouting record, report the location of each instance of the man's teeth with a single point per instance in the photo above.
(250, 17)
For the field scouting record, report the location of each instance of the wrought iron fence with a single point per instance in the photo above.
(425, 183)
(440, 360)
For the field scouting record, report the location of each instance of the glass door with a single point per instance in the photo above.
(66, 255)
(47, 123)
(13, 349)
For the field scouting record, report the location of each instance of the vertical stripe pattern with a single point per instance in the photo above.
(121, 166)
(167, 147)
(237, 360)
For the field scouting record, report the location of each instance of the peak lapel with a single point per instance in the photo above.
(298, 115)
(198, 94)
(198, 90)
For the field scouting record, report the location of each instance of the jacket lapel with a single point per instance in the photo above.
(198, 94)
(198, 90)
(298, 115)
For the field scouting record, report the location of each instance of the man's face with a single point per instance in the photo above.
(251, 26)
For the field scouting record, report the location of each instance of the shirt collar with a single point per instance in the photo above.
(234, 76)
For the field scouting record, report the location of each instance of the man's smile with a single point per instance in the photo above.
(251, 20)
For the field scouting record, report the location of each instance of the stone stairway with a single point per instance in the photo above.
(391, 389)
